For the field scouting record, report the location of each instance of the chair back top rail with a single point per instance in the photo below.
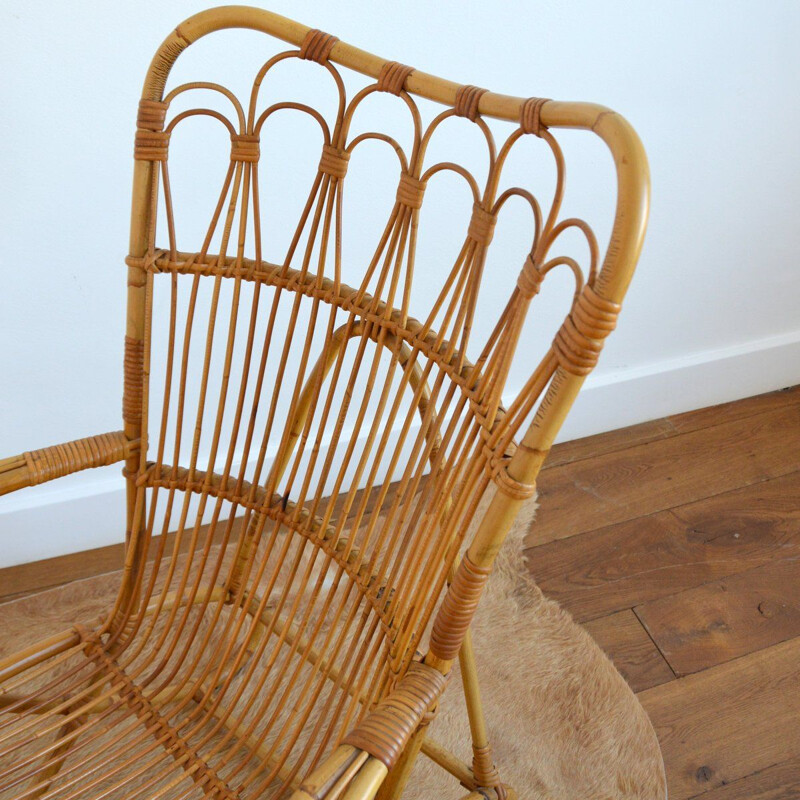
(613, 129)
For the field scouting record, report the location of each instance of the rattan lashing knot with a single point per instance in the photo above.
(62, 459)
(410, 191)
(151, 141)
(530, 117)
(317, 46)
(144, 264)
(150, 145)
(245, 147)
(467, 100)
(579, 340)
(151, 115)
(385, 732)
(393, 76)
(133, 383)
(334, 161)
(481, 225)
(137, 275)
(498, 469)
(480, 412)
(530, 278)
(513, 488)
(483, 767)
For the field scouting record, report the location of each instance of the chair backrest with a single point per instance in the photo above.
(322, 448)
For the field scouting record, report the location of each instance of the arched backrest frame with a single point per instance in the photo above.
(610, 284)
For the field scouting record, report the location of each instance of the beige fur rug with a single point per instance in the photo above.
(563, 722)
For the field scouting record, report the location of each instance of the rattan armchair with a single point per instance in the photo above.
(293, 593)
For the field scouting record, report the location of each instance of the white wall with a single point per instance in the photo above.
(711, 89)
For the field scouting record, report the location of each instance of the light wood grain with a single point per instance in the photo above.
(736, 410)
(778, 782)
(643, 559)
(665, 428)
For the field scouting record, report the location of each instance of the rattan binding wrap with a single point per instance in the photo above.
(388, 729)
(580, 339)
(457, 610)
(54, 462)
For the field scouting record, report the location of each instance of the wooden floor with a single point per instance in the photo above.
(677, 544)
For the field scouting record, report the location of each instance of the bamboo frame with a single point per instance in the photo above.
(287, 661)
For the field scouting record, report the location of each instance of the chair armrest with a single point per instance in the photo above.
(359, 765)
(39, 466)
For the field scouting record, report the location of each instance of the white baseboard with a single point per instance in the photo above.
(85, 511)
(629, 396)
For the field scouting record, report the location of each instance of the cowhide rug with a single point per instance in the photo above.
(562, 720)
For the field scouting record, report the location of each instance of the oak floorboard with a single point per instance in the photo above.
(23, 579)
(778, 782)
(623, 485)
(722, 620)
(737, 409)
(609, 442)
(625, 641)
(623, 438)
(730, 721)
(640, 560)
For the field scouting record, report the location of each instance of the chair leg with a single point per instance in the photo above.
(483, 768)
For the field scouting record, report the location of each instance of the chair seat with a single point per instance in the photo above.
(117, 746)
(112, 734)
(91, 727)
